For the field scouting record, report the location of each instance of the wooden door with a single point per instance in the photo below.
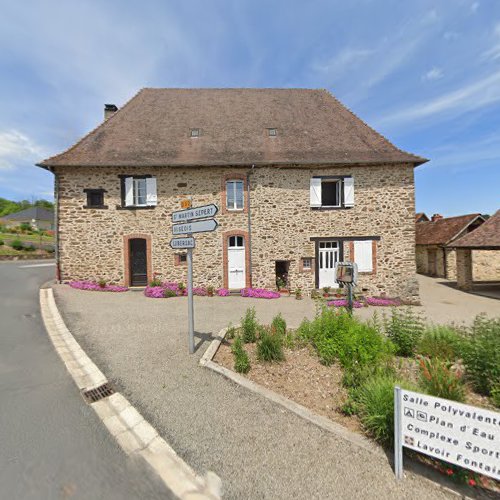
(138, 262)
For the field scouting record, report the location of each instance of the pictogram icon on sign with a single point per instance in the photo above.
(421, 415)
(409, 412)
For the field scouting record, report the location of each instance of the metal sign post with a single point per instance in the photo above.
(347, 274)
(188, 227)
(190, 300)
(398, 445)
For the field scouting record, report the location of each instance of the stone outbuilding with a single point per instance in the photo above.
(485, 239)
(300, 181)
(432, 237)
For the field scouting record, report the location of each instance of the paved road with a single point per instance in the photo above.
(52, 444)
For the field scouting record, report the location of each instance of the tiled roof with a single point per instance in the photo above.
(153, 129)
(37, 213)
(421, 217)
(442, 231)
(486, 236)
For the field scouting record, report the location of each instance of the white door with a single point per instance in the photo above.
(236, 262)
(328, 256)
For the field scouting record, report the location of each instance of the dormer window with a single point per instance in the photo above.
(195, 132)
(273, 132)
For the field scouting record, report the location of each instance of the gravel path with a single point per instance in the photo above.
(258, 449)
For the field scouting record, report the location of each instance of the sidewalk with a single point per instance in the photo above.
(257, 448)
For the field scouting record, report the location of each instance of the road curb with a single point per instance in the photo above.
(303, 412)
(132, 432)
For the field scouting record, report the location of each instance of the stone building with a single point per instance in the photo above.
(486, 240)
(300, 181)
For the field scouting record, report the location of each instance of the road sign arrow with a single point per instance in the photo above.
(195, 213)
(202, 226)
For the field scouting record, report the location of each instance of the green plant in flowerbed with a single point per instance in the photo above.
(241, 360)
(444, 342)
(168, 293)
(404, 328)
(17, 245)
(481, 354)
(270, 345)
(249, 326)
(438, 378)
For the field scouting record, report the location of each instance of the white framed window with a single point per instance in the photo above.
(140, 191)
(329, 192)
(306, 264)
(236, 242)
(234, 195)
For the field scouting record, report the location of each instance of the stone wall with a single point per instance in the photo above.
(282, 224)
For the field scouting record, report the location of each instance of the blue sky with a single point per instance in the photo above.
(426, 74)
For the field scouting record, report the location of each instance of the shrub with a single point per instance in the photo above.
(481, 354)
(338, 335)
(375, 407)
(249, 326)
(270, 347)
(168, 292)
(278, 325)
(102, 283)
(231, 332)
(241, 360)
(1, 243)
(17, 245)
(25, 226)
(30, 248)
(441, 342)
(405, 328)
(495, 395)
(438, 379)
(156, 281)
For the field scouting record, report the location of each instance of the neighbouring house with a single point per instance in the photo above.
(301, 183)
(37, 217)
(432, 237)
(421, 217)
(484, 240)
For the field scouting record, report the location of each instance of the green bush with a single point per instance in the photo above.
(336, 335)
(441, 342)
(30, 248)
(241, 360)
(438, 379)
(270, 347)
(375, 407)
(17, 245)
(278, 325)
(231, 332)
(495, 395)
(25, 226)
(481, 354)
(404, 328)
(1, 243)
(169, 293)
(249, 326)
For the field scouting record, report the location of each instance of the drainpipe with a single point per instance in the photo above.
(445, 265)
(249, 226)
(56, 223)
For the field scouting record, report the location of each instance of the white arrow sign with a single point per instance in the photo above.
(195, 213)
(178, 243)
(202, 226)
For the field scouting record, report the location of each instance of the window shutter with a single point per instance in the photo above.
(129, 191)
(349, 191)
(363, 256)
(315, 192)
(151, 191)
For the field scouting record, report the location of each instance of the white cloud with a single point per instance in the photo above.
(473, 96)
(493, 52)
(433, 74)
(17, 148)
(346, 59)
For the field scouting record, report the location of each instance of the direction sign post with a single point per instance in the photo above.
(188, 224)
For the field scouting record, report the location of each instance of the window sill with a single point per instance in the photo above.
(232, 210)
(330, 208)
(147, 207)
(97, 207)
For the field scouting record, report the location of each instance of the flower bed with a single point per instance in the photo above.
(344, 303)
(382, 301)
(170, 289)
(96, 287)
(259, 293)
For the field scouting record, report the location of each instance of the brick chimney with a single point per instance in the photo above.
(109, 110)
(436, 217)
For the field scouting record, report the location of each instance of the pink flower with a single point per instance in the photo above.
(222, 292)
(472, 482)
(92, 285)
(378, 301)
(344, 303)
(259, 293)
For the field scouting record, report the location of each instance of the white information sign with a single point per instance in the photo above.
(179, 243)
(202, 226)
(195, 213)
(456, 433)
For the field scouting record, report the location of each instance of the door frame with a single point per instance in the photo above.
(225, 256)
(126, 256)
(316, 253)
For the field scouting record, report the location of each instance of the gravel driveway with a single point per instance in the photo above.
(258, 449)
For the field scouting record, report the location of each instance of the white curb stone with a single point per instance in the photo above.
(134, 434)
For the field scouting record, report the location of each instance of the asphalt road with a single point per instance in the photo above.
(52, 445)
